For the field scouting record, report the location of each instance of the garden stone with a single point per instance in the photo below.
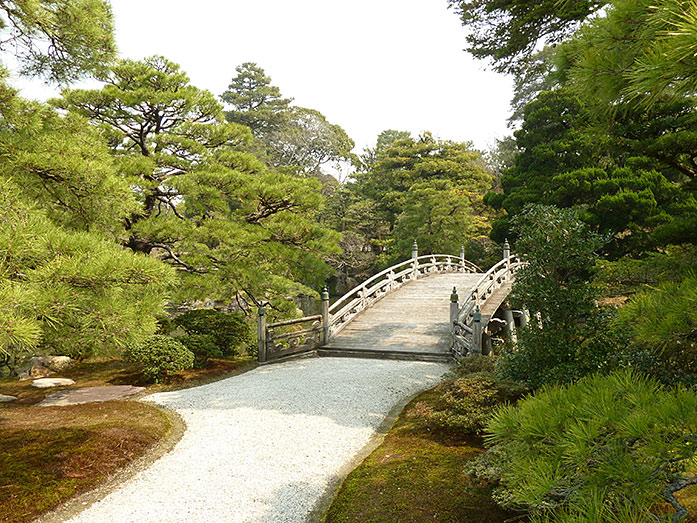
(42, 366)
(45, 383)
(89, 395)
(5, 398)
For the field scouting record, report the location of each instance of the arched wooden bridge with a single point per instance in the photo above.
(431, 308)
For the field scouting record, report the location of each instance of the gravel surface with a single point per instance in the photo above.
(266, 445)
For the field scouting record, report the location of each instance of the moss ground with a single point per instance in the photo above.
(416, 475)
(49, 454)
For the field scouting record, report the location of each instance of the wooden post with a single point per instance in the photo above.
(454, 308)
(325, 315)
(415, 256)
(261, 334)
(477, 331)
(462, 257)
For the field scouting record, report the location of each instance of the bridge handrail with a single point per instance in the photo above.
(291, 340)
(463, 328)
(410, 262)
(363, 295)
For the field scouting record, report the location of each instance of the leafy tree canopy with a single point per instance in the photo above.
(508, 31)
(73, 293)
(233, 228)
(297, 139)
(255, 102)
(425, 189)
(59, 39)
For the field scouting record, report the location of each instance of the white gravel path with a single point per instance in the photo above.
(264, 446)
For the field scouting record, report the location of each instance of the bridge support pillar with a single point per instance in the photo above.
(487, 347)
(510, 323)
(261, 334)
(325, 315)
(523, 317)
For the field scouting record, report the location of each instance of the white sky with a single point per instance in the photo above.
(367, 65)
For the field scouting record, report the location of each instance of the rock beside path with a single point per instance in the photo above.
(89, 395)
(42, 366)
(46, 383)
(4, 398)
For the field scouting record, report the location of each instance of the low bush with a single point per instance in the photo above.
(159, 357)
(467, 402)
(474, 364)
(230, 330)
(606, 448)
(203, 346)
(165, 325)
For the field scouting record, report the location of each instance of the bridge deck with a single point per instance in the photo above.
(411, 322)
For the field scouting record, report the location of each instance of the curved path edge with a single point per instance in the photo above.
(319, 512)
(81, 502)
(271, 445)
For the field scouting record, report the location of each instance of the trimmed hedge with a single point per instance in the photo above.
(159, 357)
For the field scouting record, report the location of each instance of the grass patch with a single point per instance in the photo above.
(416, 475)
(49, 454)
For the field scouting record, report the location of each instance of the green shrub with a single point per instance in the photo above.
(159, 357)
(466, 403)
(474, 364)
(606, 448)
(230, 330)
(165, 325)
(203, 346)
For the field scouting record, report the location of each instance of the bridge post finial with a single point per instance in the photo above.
(261, 333)
(462, 252)
(325, 315)
(506, 250)
(415, 250)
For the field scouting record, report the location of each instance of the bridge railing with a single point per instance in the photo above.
(286, 338)
(375, 288)
(465, 317)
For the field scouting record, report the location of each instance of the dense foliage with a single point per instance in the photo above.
(230, 332)
(563, 340)
(603, 449)
(159, 357)
(466, 403)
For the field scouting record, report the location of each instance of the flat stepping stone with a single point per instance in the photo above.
(46, 383)
(89, 395)
(4, 398)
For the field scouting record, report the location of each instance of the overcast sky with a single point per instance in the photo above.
(367, 65)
